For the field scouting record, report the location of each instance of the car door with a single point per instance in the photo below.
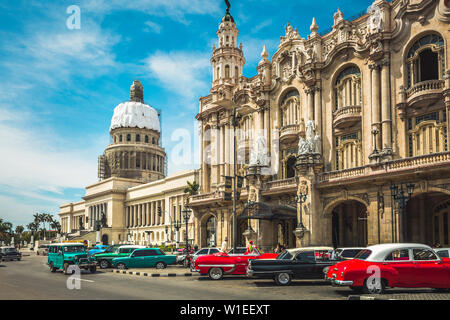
(303, 264)
(400, 261)
(429, 269)
(150, 257)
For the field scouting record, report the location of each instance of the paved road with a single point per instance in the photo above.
(31, 279)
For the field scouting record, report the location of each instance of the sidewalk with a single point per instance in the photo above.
(169, 271)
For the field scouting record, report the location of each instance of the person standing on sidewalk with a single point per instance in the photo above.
(224, 246)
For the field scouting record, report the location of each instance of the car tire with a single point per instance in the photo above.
(52, 268)
(93, 269)
(283, 279)
(104, 264)
(160, 265)
(369, 288)
(121, 266)
(66, 269)
(215, 273)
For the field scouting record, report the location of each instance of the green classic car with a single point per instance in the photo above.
(63, 255)
(145, 258)
(104, 259)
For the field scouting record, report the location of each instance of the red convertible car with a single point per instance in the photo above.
(219, 264)
(405, 265)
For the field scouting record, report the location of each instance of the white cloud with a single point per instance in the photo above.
(152, 27)
(186, 74)
(261, 26)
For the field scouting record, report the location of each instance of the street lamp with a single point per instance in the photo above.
(375, 131)
(186, 214)
(399, 196)
(301, 198)
(177, 226)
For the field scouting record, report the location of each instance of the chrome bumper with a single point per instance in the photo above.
(340, 282)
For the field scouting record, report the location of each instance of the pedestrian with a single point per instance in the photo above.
(278, 248)
(224, 246)
(195, 248)
(285, 246)
(250, 247)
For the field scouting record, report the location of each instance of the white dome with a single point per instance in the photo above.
(133, 114)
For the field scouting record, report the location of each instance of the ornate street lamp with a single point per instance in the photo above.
(301, 198)
(186, 214)
(375, 132)
(402, 198)
(177, 226)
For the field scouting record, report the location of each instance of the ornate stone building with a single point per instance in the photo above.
(134, 201)
(329, 129)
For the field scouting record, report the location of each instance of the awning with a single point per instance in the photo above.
(266, 211)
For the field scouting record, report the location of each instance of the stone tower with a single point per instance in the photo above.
(135, 151)
(227, 60)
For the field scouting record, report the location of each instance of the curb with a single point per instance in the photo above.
(153, 275)
(366, 298)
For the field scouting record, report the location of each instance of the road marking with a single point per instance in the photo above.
(87, 280)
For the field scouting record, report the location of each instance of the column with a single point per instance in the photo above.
(266, 128)
(376, 123)
(386, 107)
(310, 98)
(228, 132)
(318, 111)
(222, 153)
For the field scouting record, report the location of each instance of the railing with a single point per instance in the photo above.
(347, 110)
(289, 129)
(425, 86)
(206, 196)
(413, 162)
(280, 183)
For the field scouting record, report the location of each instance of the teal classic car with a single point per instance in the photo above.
(62, 255)
(145, 258)
(104, 259)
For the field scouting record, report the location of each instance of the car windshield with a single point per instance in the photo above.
(10, 250)
(284, 256)
(74, 249)
(363, 254)
(110, 249)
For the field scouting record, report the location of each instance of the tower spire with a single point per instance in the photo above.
(137, 91)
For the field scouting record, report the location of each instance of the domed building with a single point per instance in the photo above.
(135, 151)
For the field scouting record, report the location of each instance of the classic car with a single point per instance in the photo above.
(145, 258)
(204, 251)
(406, 265)
(346, 253)
(63, 255)
(299, 263)
(238, 250)
(103, 259)
(10, 253)
(443, 252)
(219, 264)
(97, 249)
(42, 250)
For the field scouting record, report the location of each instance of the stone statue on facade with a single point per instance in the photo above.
(312, 142)
(375, 21)
(80, 221)
(258, 154)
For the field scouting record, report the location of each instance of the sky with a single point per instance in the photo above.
(61, 78)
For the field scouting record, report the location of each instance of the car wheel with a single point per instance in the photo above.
(66, 269)
(104, 264)
(160, 265)
(93, 269)
(374, 286)
(283, 279)
(215, 273)
(52, 268)
(121, 266)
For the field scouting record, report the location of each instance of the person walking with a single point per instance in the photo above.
(278, 248)
(224, 246)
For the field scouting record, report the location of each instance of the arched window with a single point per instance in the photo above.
(146, 139)
(218, 73)
(290, 111)
(236, 72)
(227, 72)
(290, 167)
(120, 138)
(347, 88)
(348, 151)
(425, 60)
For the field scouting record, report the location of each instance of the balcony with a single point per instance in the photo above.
(430, 162)
(289, 134)
(345, 117)
(280, 186)
(424, 93)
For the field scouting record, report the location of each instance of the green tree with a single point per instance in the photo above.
(19, 231)
(192, 188)
(5, 230)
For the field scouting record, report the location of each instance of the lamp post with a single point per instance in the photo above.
(402, 198)
(177, 226)
(186, 214)
(167, 236)
(375, 132)
(301, 198)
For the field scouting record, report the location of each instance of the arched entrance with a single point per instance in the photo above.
(349, 224)
(211, 232)
(105, 239)
(428, 219)
(242, 227)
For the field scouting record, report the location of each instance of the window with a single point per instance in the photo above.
(308, 256)
(203, 251)
(153, 140)
(443, 253)
(128, 137)
(227, 72)
(146, 139)
(350, 253)
(347, 88)
(424, 254)
(398, 255)
(290, 110)
(214, 250)
(138, 138)
(120, 138)
(348, 151)
(125, 250)
(363, 254)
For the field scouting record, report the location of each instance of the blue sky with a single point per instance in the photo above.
(59, 87)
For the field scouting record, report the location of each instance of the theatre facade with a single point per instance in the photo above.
(342, 137)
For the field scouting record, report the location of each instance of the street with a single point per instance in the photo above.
(31, 279)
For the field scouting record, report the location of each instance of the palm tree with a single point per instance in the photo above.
(5, 229)
(19, 231)
(192, 188)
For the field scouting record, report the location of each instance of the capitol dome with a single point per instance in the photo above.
(135, 113)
